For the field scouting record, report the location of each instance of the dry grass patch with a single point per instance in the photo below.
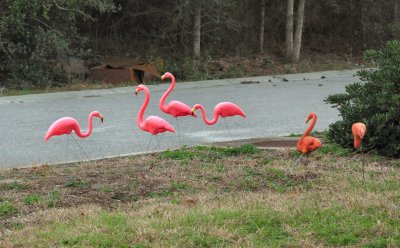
(199, 197)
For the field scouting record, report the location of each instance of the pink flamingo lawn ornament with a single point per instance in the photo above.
(307, 143)
(223, 109)
(66, 125)
(152, 124)
(359, 129)
(174, 108)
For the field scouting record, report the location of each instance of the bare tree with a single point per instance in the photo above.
(299, 32)
(262, 26)
(197, 30)
(396, 24)
(289, 28)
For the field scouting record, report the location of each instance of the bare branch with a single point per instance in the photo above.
(45, 24)
(74, 10)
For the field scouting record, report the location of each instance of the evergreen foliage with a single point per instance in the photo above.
(375, 101)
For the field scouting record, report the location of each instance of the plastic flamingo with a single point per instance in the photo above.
(223, 109)
(152, 124)
(358, 129)
(307, 143)
(174, 108)
(66, 125)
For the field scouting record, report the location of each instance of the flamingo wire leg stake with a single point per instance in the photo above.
(226, 124)
(298, 160)
(213, 139)
(80, 147)
(158, 143)
(179, 133)
(67, 147)
(148, 145)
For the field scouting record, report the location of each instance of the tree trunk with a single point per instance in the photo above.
(299, 32)
(289, 29)
(197, 30)
(262, 26)
(396, 24)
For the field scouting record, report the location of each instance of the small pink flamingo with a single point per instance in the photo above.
(358, 129)
(66, 125)
(223, 109)
(307, 143)
(152, 124)
(174, 108)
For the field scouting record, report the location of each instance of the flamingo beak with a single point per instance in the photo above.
(101, 118)
(136, 92)
(162, 77)
(193, 112)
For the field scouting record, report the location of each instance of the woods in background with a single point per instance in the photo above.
(37, 37)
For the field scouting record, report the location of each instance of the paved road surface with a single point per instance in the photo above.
(274, 107)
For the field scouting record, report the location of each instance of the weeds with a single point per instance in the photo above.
(32, 199)
(14, 186)
(237, 196)
(7, 209)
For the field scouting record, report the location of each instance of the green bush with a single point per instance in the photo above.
(38, 36)
(375, 101)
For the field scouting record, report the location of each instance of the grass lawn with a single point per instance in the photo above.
(196, 197)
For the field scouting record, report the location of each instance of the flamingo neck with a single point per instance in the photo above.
(90, 127)
(203, 115)
(165, 95)
(310, 128)
(143, 108)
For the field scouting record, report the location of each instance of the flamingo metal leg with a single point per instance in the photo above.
(67, 147)
(148, 145)
(226, 124)
(179, 133)
(158, 143)
(87, 156)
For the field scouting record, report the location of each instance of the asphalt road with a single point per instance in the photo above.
(274, 107)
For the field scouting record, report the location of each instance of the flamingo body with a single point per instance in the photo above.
(358, 129)
(66, 125)
(308, 143)
(223, 109)
(152, 124)
(177, 109)
(174, 108)
(155, 125)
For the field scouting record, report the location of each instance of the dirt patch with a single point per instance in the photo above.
(276, 143)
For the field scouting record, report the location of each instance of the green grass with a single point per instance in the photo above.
(188, 154)
(225, 197)
(181, 154)
(14, 186)
(294, 135)
(78, 184)
(336, 226)
(52, 198)
(7, 209)
(32, 199)
(334, 149)
(178, 185)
